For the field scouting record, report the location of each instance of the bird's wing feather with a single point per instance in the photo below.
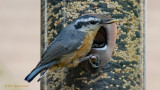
(66, 42)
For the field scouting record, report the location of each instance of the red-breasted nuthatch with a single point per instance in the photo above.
(71, 45)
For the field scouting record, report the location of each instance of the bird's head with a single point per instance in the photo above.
(88, 23)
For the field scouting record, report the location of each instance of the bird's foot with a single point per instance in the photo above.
(93, 61)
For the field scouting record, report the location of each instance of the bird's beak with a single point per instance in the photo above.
(108, 21)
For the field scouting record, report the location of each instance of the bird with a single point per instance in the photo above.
(72, 44)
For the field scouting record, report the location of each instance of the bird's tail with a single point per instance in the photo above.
(36, 71)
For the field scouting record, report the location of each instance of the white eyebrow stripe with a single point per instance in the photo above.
(86, 20)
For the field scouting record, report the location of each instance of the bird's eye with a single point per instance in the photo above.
(93, 22)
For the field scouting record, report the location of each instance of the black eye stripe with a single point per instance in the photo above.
(93, 22)
(77, 26)
(80, 24)
(83, 23)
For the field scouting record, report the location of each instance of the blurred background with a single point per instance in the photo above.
(20, 43)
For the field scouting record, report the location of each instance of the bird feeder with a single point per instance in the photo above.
(119, 46)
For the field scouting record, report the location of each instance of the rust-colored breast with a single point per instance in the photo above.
(72, 59)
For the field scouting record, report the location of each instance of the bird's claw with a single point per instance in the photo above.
(94, 61)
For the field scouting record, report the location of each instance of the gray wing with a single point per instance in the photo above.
(67, 41)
